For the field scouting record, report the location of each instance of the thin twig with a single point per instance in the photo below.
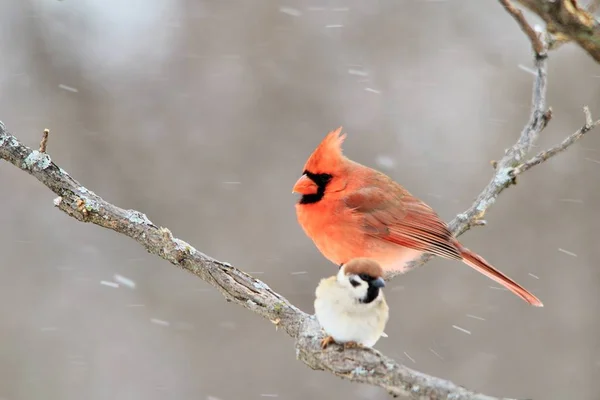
(534, 38)
(44, 141)
(544, 155)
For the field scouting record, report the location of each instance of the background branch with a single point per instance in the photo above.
(536, 43)
(566, 20)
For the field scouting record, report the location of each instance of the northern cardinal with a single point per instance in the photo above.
(351, 211)
(350, 306)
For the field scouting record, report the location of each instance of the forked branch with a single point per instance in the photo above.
(513, 162)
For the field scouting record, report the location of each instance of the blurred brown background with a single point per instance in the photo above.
(202, 113)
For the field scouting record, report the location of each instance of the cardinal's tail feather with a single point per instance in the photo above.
(479, 264)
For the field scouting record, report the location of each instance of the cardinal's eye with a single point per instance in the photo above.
(354, 283)
(365, 277)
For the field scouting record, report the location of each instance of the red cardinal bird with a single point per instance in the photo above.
(350, 210)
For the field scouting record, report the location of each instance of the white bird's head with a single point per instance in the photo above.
(362, 277)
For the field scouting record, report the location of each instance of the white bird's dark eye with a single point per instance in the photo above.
(354, 283)
(365, 277)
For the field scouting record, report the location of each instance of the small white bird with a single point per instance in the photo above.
(350, 306)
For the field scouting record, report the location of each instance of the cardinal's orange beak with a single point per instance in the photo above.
(305, 185)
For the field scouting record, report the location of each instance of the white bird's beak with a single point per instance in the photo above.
(378, 283)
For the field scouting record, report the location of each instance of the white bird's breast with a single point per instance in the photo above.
(351, 322)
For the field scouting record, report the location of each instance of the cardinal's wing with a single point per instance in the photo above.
(398, 217)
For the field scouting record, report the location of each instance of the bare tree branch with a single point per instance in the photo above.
(536, 43)
(44, 141)
(544, 155)
(566, 21)
(359, 365)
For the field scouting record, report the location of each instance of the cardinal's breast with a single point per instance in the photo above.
(335, 230)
